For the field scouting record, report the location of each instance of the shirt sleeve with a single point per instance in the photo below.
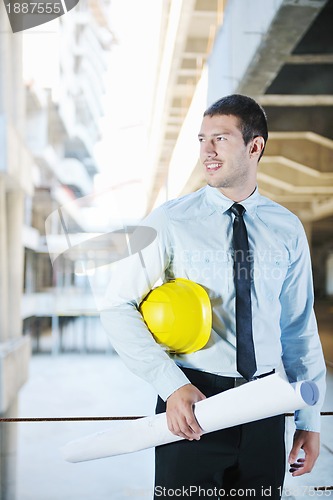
(301, 347)
(130, 280)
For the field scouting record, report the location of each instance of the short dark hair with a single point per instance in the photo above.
(252, 117)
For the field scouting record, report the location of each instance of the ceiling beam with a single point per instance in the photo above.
(299, 167)
(295, 100)
(319, 210)
(278, 43)
(309, 59)
(289, 187)
(307, 135)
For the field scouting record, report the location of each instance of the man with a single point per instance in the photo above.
(195, 241)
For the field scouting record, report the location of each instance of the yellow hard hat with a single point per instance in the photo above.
(179, 315)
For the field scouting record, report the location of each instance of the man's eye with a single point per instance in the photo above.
(220, 138)
(201, 139)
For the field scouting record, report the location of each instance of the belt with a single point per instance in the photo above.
(237, 381)
(263, 375)
(196, 376)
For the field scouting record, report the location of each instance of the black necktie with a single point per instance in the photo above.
(246, 361)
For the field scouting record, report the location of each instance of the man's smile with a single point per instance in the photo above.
(213, 166)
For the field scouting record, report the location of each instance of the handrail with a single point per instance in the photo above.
(85, 419)
(82, 419)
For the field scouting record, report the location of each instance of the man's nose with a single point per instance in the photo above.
(209, 149)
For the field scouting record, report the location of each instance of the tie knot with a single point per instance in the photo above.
(237, 209)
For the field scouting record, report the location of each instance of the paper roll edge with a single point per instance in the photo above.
(309, 392)
(69, 454)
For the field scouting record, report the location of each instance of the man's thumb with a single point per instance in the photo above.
(293, 454)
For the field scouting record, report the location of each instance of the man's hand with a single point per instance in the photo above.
(309, 442)
(179, 412)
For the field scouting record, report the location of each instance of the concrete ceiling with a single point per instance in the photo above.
(292, 77)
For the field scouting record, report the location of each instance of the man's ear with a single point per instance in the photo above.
(257, 146)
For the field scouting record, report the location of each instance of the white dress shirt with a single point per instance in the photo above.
(194, 241)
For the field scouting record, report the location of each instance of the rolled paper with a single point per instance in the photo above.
(261, 398)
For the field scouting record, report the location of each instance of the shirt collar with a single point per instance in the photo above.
(215, 197)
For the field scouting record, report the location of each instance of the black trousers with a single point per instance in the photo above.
(240, 462)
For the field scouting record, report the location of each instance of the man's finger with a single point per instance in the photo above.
(193, 424)
(185, 431)
(180, 416)
(302, 466)
(189, 426)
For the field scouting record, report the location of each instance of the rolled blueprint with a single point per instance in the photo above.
(255, 400)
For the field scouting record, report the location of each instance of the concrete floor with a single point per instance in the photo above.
(82, 384)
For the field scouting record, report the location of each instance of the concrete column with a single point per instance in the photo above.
(29, 273)
(15, 208)
(8, 447)
(17, 91)
(4, 60)
(14, 349)
(3, 264)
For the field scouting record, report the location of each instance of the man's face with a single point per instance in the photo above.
(225, 158)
